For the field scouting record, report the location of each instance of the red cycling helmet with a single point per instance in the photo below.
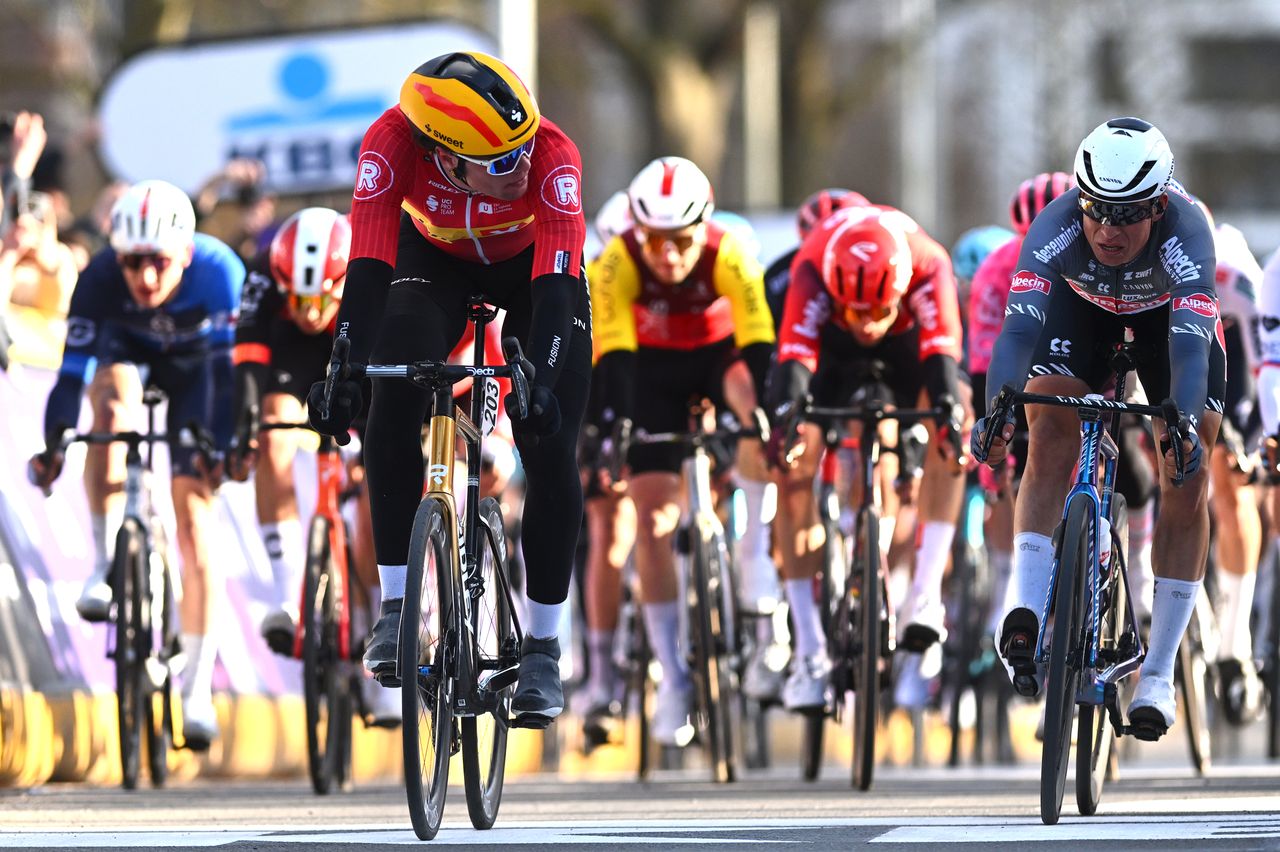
(309, 255)
(1034, 195)
(866, 266)
(822, 204)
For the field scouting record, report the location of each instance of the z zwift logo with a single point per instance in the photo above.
(1177, 262)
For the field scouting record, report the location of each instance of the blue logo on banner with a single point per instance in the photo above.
(304, 82)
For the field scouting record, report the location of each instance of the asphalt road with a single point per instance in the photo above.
(1150, 807)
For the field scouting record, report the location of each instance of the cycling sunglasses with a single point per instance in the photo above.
(134, 262)
(507, 163)
(1118, 214)
(860, 316)
(321, 302)
(657, 241)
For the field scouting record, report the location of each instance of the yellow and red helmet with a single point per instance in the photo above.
(471, 104)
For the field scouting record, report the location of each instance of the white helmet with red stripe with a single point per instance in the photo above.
(152, 216)
(670, 193)
(310, 251)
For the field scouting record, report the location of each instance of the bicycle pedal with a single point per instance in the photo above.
(532, 721)
(1147, 724)
(387, 679)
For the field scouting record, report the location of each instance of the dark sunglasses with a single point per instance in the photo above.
(1118, 214)
(134, 262)
(507, 163)
(657, 241)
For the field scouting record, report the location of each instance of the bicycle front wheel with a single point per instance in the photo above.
(1094, 734)
(1064, 674)
(320, 679)
(713, 647)
(496, 651)
(429, 635)
(129, 588)
(163, 631)
(866, 698)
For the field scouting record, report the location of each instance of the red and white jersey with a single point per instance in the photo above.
(988, 295)
(930, 303)
(1237, 281)
(394, 174)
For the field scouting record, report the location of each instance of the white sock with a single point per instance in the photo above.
(544, 619)
(392, 579)
(202, 653)
(662, 621)
(283, 541)
(1141, 577)
(806, 619)
(1001, 563)
(932, 554)
(1029, 580)
(887, 526)
(1171, 607)
(600, 658)
(1234, 605)
(105, 528)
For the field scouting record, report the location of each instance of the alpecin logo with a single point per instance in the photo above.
(1025, 282)
(1202, 305)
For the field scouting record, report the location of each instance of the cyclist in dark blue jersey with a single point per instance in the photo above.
(161, 299)
(1125, 249)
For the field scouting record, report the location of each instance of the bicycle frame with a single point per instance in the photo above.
(330, 478)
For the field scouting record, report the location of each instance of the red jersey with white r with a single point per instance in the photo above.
(930, 303)
(394, 174)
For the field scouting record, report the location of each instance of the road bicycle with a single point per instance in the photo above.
(1096, 642)
(860, 638)
(460, 635)
(145, 642)
(713, 619)
(324, 638)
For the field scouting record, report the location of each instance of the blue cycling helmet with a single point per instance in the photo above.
(973, 247)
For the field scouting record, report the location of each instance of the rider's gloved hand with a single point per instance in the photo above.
(785, 389)
(1192, 455)
(43, 469)
(543, 418)
(344, 407)
(999, 445)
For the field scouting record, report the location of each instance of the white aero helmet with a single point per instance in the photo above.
(670, 193)
(152, 216)
(614, 217)
(1124, 161)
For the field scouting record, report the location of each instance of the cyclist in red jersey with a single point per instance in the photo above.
(872, 300)
(464, 188)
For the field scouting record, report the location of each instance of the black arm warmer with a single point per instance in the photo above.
(941, 377)
(758, 357)
(251, 378)
(616, 372)
(364, 298)
(552, 324)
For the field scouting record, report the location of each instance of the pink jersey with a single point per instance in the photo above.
(988, 295)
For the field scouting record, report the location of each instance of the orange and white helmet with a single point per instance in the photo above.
(670, 193)
(309, 254)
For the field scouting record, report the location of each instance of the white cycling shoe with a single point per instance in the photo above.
(808, 684)
(1152, 709)
(381, 704)
(95, 599)
(199, 723)
(673, 713)
(926, 627)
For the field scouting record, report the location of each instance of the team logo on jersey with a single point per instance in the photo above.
(1025, 282)
(80, 331)
(562, 189)
(1202, 305)
(374, 176)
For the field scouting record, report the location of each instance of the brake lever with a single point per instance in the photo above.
(339, 359)
(522, 373)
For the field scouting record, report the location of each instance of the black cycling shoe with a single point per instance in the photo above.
(382, 648)
(539, 697)
(918, 638)
(1147, 724)
(1241, 691)
(1018, 647)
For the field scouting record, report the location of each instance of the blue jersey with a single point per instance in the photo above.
(196, 326)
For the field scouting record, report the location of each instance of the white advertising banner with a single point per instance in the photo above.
(299, 103)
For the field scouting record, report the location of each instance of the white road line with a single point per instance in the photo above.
(1151, 829)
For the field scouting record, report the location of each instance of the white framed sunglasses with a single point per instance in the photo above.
(505, 164)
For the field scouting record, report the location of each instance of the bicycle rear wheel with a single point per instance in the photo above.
(496, 652)
(866, 698)
(713, 647)
(430, 625)
(129, 584)
(1191, 671)
(1064, 674)
(322, 687)
(163, 633)
(1095, 737)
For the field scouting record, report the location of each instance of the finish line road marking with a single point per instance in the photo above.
(1152, 829)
